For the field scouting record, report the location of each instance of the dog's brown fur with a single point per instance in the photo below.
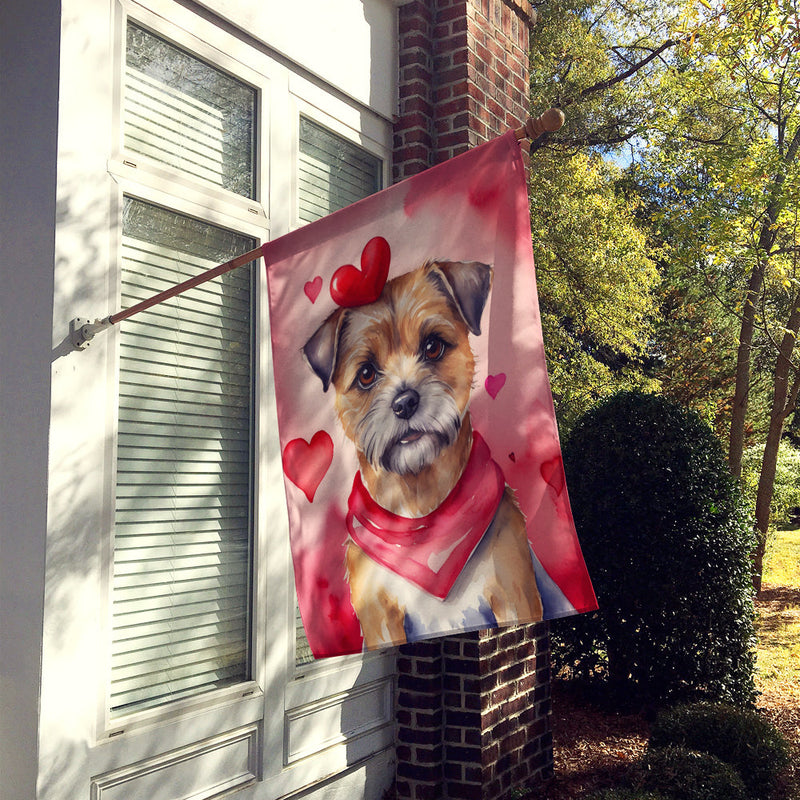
(416, 336)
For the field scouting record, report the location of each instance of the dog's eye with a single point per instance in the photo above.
(433, 349)
(367, 376)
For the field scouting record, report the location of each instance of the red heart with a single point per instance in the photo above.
(356, 287)
(494, 383)
(306, 464)
(313, 288)
(553, 473)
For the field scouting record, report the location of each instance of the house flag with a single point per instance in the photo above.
(420, 455)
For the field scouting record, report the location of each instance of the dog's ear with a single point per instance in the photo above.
(322, 348)
(468, 283)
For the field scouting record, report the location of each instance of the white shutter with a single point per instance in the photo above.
(332, 174)
(182, 541)
(186, 114)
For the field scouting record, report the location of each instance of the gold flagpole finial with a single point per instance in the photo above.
(534, 127)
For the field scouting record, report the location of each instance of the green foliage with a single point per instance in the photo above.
(702, 102)
(596, 275)
(683, 774)
(786, 490)
(741, 738)
(719, 172)
(595, 280)
(624, 793)
(695, 340)
(667, 541)
(590, 57)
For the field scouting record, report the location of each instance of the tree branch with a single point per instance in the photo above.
(601, 86)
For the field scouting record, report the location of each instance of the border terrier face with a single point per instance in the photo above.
(402, 367)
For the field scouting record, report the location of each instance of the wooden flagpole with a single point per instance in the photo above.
(82, 331)
(179, 288)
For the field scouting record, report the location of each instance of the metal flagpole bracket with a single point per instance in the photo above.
(82, 330)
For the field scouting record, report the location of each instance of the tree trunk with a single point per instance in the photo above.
(742, 388)
(784, 398)
(766, 240)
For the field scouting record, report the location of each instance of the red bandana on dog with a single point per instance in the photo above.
(431, 551)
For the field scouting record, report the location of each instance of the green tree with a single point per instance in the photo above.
(786, 492)
(704, 98)
(596, 281)
(724, 155)
(596, 277)
(598, 60)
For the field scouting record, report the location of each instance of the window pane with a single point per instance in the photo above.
(182, 541)
(333, 173)
(182, 112)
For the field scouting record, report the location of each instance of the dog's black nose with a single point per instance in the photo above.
(405, 404)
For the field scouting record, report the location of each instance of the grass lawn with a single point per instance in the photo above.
(778, 629)
(778, 623)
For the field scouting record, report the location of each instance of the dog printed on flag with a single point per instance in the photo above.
(419, 449)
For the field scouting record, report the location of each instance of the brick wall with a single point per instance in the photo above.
(463, 77)
(473, 710)
(473, 714)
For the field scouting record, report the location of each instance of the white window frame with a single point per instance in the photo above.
(138, 177)
(312, 687)
(309, 101)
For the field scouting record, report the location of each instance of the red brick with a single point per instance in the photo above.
(408, 120)
(419, 736)
(442, 62)
(459, 25)
(414, 39)
(465, 791)
(453, 772)
(417, 103)
(414, 88)
(455, 106)
(416, 73)
(430, 773)
(428, 718)
(455, 12)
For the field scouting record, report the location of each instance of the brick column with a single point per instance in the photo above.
(463, 77)
(473, 710)
(506, 674)
(473, 714)
(420, 721)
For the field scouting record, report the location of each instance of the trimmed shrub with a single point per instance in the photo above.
(741, 738)
(683, 774)
(667, 540)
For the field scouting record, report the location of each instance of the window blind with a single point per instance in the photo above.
(187, 114)
(182, 540)
(332, 174)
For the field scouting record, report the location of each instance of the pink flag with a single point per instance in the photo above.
(421, 461)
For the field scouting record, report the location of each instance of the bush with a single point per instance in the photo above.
(743, 739)
(626, 794)
(667, 540)
(683, 774)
